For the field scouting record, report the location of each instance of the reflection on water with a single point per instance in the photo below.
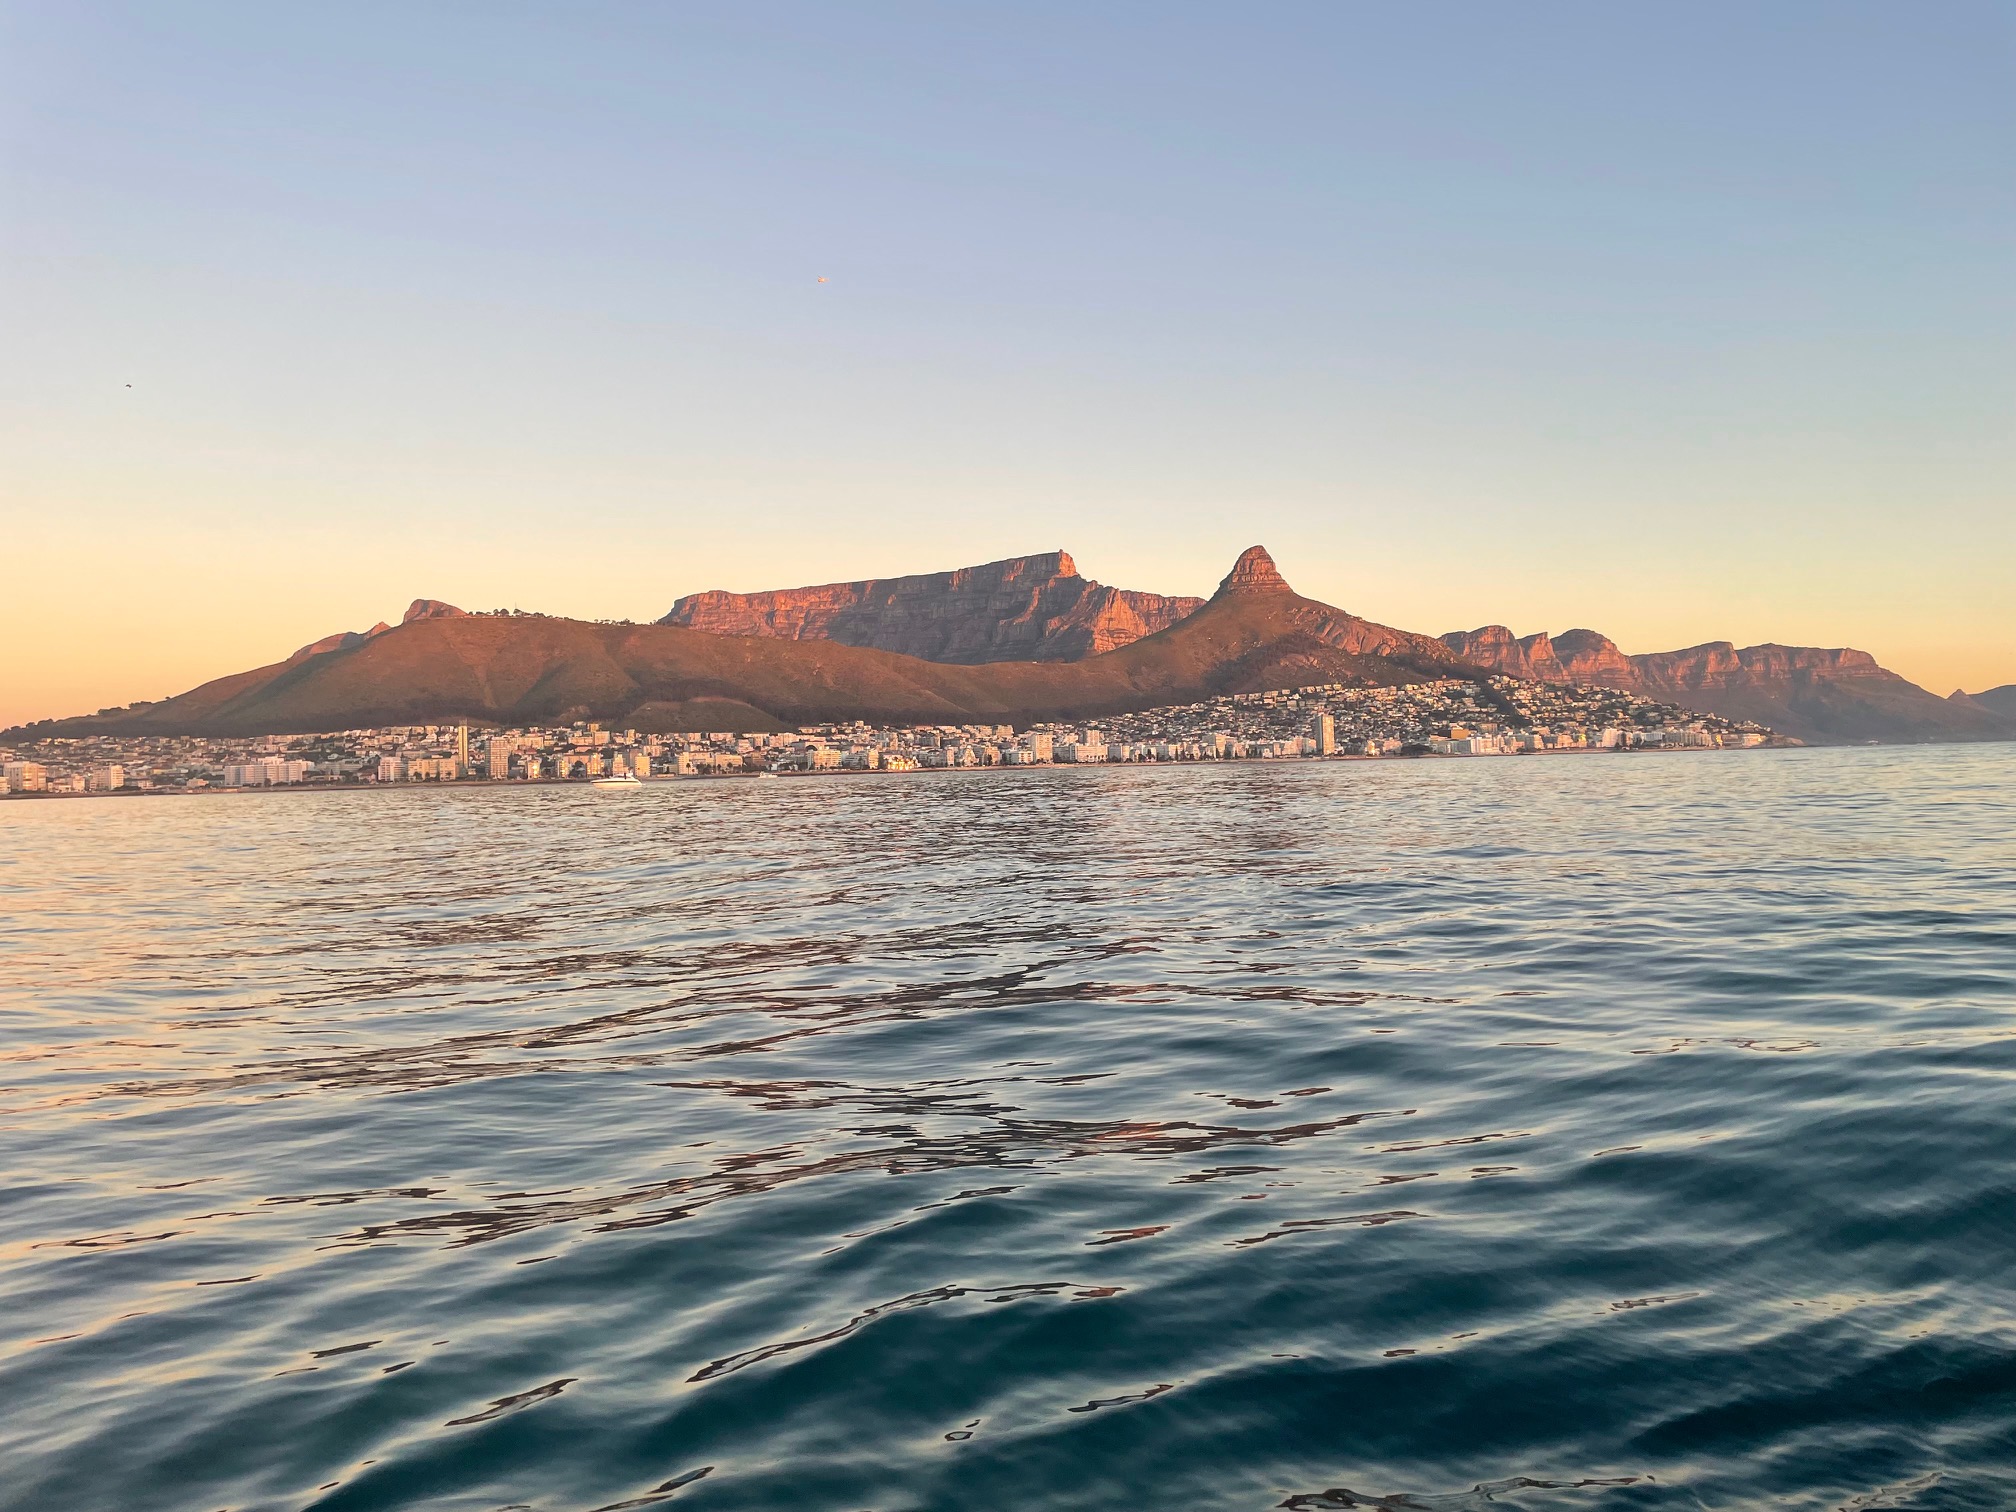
(1602, 1132)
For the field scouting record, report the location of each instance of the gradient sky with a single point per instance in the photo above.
(1681, 322)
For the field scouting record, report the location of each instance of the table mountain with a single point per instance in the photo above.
(1033, 608)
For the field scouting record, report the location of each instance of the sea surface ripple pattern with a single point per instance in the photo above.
(1609, 1132)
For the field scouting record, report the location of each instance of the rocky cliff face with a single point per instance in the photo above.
(1574, 656)
(1813, 692)
(1254, 572)
(1592, 659)
(1034, 608)
(1491, 646)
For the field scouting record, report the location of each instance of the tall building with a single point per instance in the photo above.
(462, 750)
(500, 760)
(107, 779)
(1039, 744)
(1324, 731)
(27, 776)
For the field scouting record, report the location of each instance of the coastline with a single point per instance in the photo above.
(484, 784)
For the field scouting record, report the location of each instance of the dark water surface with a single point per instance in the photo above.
(1608, 1132)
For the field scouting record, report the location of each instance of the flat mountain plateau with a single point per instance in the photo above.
(1035, 608)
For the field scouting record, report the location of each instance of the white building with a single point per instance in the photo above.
(27, 776)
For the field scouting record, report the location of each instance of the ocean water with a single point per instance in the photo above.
(1594, 1132)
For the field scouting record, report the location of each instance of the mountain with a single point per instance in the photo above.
(2001, 701)
(787, 661)
(1033, 608)
(1819, 695)
(343, 640)
(1254, 634)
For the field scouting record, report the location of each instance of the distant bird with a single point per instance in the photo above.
(129, 385)
(822, 279)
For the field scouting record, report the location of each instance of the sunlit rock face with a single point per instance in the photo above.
(1254, 572)
(1818, 693)
(1033, 608)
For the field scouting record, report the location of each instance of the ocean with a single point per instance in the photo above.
(1606, 1132)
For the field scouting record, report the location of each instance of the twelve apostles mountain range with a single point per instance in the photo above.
(1018, 640)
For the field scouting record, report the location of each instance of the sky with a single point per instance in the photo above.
(1683, 323)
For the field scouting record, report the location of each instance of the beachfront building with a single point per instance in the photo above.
(27, 777)
(272, 772)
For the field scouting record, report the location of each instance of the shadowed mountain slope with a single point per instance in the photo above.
(1034, 608)
(1254, 634)
(2000, 701)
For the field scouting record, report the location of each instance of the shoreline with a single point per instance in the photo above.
(485, 784)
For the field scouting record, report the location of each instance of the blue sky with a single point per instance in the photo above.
(1683, 323)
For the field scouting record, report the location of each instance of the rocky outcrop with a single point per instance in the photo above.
(345, 640)
(1491, 646)
(342, 640)
(1815, 693)
(1254, 572)
(1034, 608)
(1592, 660)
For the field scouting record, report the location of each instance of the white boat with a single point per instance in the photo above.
(621, 780)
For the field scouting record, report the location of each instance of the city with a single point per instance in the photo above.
(1500, 716)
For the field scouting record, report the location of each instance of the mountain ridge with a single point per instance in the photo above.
(533, 669)
(1818, 694)
(1254, 633)
(1031, 608)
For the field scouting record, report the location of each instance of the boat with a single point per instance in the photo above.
(620, 780)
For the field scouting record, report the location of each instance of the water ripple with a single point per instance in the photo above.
(1439, 1135)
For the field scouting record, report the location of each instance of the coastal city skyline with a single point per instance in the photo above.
(1498, 717)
